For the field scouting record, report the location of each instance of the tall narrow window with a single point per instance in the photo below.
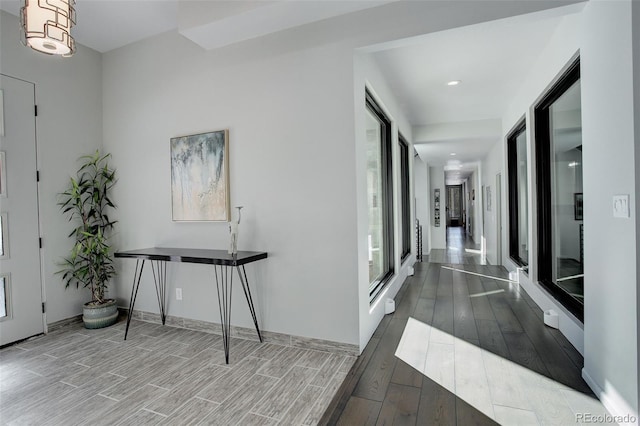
(405, 194)
(518, 195)
(560, 199)
(379, 196)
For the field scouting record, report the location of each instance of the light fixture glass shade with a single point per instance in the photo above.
(46, 26)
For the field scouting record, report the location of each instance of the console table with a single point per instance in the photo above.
(223, 266)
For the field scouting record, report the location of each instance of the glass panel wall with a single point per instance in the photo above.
(379, 196)
(374, 196)
(405, 194)
(560, 196)
(518, 195)
(566, 139)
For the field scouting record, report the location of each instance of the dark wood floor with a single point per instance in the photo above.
(382, 389)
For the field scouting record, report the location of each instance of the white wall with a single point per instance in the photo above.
(611, 257)
(602, 33)
(69, 125)
(421, 176)
(635, 29)
(491, 166)
(562, 47)
(290, 118)
(438, 233)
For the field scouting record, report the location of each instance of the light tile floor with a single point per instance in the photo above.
(501, 389)
(163, 375)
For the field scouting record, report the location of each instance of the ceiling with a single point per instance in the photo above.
(489, 59)
(104, 25)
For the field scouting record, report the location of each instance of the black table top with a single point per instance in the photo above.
(212, 257)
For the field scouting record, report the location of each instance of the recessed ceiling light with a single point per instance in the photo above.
(454, 83)
(453, 153)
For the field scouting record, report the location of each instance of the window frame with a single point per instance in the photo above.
(405, 198)
(544, 186)
(514, 193)
(388, 269)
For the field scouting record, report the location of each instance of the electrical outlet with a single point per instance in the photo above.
(178, 294)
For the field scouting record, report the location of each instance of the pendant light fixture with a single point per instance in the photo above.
(46, 26)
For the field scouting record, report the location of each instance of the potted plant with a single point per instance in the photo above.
(86, 202)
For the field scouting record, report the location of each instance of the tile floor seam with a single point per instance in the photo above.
(154, 412)
(108, 397)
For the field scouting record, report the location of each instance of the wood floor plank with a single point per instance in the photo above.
(375, 379)
(443, 315)
(464, 323)
(524, 353)
(339, 401)
(437, 405)
(400, 407)
(404, 374)
(553, 356)
(424, 310)
(407, 304)
(360, 411)
(491, 338)
(467, 415)
(482, 306)
(502, 311)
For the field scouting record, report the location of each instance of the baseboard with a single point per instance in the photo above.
(63, 323)
(620, 410)
(250, 333)
(570, 326)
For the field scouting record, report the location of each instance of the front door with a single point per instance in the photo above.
(20, 281)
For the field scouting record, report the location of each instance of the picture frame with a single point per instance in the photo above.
(578, 206)
(200, 177)
(436, 208)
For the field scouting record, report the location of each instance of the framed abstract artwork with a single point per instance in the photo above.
(200, 177)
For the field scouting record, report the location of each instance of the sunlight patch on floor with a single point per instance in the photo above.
(473, 251)
(501, 389)
(486, 293)
(464, 271)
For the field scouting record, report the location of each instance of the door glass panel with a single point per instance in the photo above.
(4, 311)
(566, 156)
(2, 234)
(374, 196)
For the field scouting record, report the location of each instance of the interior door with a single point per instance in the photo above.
(20, 280)
(454, 207)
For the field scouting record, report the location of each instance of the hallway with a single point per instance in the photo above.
(487, 358)
(461, 249)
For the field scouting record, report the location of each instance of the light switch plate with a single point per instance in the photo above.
(621, 206)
